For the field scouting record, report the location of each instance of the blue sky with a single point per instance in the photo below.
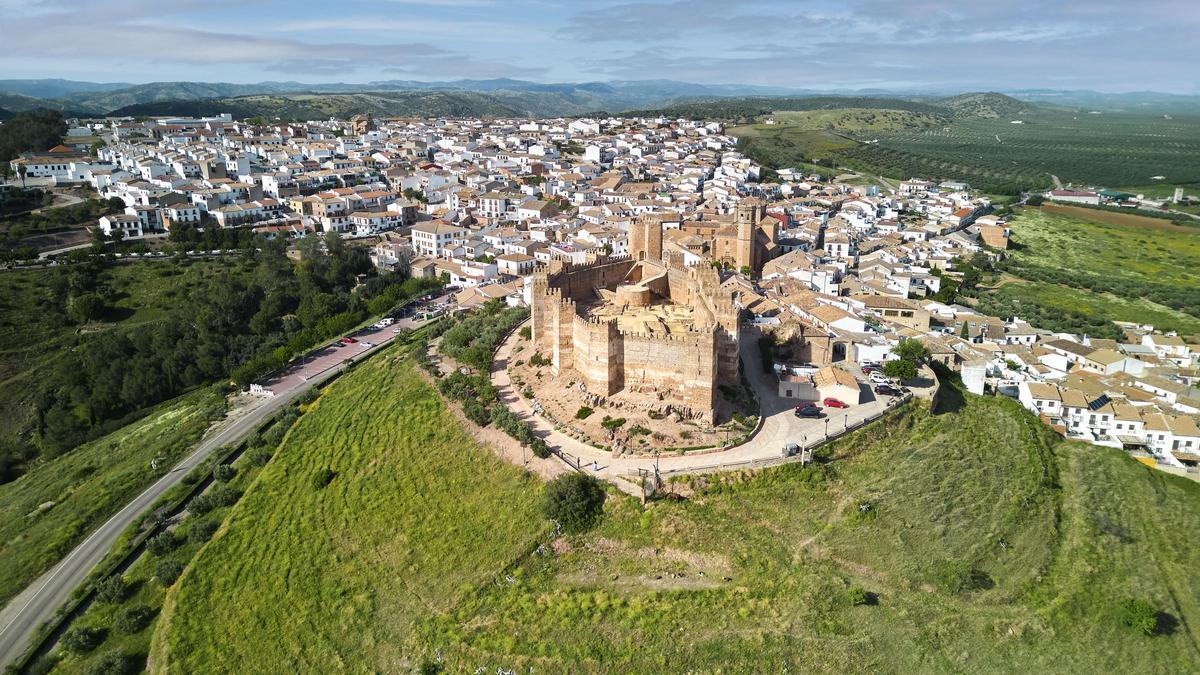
(893, 44)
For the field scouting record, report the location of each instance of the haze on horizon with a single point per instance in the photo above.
(920, 45)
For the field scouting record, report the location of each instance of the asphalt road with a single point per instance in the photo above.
(38, 602)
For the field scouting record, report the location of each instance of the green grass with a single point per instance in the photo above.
(145, 589)
(987, 544)
(89, 484)
(979, 561)
(417, 517)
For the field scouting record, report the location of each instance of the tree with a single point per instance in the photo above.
(86, 307)
(575, 501)
(81, 640)
(134, 619)
(900, 369)
(1140, 615)
(1035, 200)
(162, 543)
(911, 349)
(115, 663)
(111, 590)
(965, 331)
(167, 571)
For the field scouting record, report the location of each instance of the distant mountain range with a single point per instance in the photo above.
(479, 97)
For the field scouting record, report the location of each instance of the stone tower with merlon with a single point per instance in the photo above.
(646, 238)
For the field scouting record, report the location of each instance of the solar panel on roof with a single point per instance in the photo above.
(1099, 402)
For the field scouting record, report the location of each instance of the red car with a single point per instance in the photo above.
(348, 340)
(834, 403)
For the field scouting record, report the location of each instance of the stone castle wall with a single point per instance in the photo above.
(688, 365)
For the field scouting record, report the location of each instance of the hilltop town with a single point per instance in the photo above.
(840, 270)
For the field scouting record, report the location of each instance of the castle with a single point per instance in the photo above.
(639, 323)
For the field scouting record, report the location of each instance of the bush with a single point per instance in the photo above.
(575, 501)
(114, 663)
(1140, 615)
(857, 595)
(538, 360)
(111, 589)
(526, 332)
(168, 571)
(161, 543)
(260, 456)
(612, 423)
(202, 504)
(201, 531)
(224, 473)
(134, 619)
(539, 447)
(322, 478)
(81, 640)
(583, 413)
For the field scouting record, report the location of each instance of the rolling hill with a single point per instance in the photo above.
(988, 105)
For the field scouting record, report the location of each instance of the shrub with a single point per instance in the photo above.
(111, 589)
(260, 456)
(322, 478)
(1140, 615)
(575, 501)
(161, 543)
(539, 447)
(168, 571)
(201, 531)
(857, 595)
(526, 332)
(538, 360)
(114, 663)
(638, 430)
(612, 423)
(223, 495)
(583, 413)
(475, 412)
(202, 504)
(134, 619)
(224, 473)
(81, 640)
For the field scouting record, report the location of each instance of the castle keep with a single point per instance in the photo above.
(642, 323)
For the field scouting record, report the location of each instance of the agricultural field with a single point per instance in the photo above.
(1134, 270)
(58, 502)
(1075, 310)
(987, 150)
(1108, 149)
(377, 510)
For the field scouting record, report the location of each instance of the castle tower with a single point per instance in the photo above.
(748, 254)
(646, 238)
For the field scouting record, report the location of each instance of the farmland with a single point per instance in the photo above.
(989, 151)
(1143, 270)
(334, 574)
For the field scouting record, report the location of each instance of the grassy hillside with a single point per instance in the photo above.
(320, 106)
(973, 540)
(989, 105)
(58, 502)
(416, 516)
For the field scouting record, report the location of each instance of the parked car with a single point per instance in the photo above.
(336, 345)
(887, 390)
(808, 411)
(835, 403)
(397, 329)
(348, 340)
(879, 378)
(366, 345)
(867, 370)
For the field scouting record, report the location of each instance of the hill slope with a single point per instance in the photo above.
(982, 542)
(318, 106)
(988, 105)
